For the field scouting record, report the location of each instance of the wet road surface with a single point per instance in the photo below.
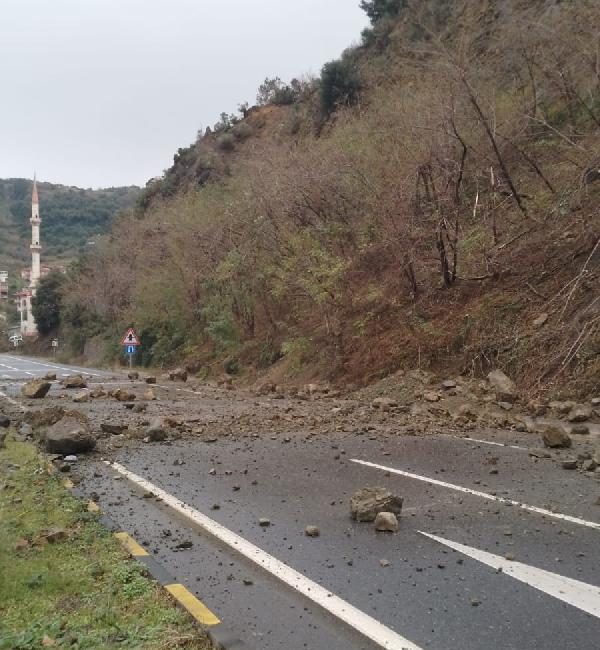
(418, 587)
(537, 587)
(15, 367)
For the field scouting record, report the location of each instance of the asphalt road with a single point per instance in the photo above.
(496, 549)
(15, 367)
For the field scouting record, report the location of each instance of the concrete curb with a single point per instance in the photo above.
(220, 636)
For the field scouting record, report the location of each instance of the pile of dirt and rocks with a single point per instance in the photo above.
(82, 416)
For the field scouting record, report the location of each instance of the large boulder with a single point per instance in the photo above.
(36, 388)
(314, 390)
(113, 428)
(69, 436)
(536, 408)
(556, 437)
(580, 413)
(265, 389)
(50, 376)
(74, 381)
(123, 395)
(467, 411)
(384, 403)
(580, 430)
(149, 395)
(367, 503)
(44, 417)
(179, 374)
(504, 387)
(562, 408)
(156, 431)
(386, 522)
(4, 421)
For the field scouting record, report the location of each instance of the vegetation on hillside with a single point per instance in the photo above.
(422, 203)
(46, 305)
(70, 218)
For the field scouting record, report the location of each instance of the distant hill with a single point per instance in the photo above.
(70, 218)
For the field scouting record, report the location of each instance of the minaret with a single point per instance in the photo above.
(35, 237)
(28, 326)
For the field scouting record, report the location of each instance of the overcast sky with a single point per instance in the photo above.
(103, 92)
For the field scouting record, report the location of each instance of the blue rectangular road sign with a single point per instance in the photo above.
(131, 349)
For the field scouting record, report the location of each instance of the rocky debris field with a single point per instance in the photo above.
(347, 487)
(77, 415)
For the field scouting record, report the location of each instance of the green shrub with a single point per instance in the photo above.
(284, 96)
(298, 351)
(231, 366)
(340, 85)
(275, 91)
(47, 303)
(226, 142)
(242, 131)
(376, 10)
(269, 354)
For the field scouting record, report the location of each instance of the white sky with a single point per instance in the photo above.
(103, 92)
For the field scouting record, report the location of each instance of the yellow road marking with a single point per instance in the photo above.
(131, 545)
(196, 608)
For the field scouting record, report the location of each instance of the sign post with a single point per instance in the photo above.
(54, 347)
(130, 342)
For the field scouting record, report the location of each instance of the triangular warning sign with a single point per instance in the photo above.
(131, 338)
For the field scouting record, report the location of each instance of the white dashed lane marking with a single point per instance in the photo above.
(487, 442)
(52, 366)
(483, 495)
(574, 592)
(3, 365)
(355, 618)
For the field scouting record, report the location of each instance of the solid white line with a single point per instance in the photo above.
(483, 495)
(12, 401)
(579, 594)
(355, 618)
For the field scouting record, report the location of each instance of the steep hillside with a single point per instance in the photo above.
(430, 201)
(70, 217)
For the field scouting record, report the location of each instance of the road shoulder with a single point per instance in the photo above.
(66, 579)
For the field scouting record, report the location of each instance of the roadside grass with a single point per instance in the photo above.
(80, 592)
